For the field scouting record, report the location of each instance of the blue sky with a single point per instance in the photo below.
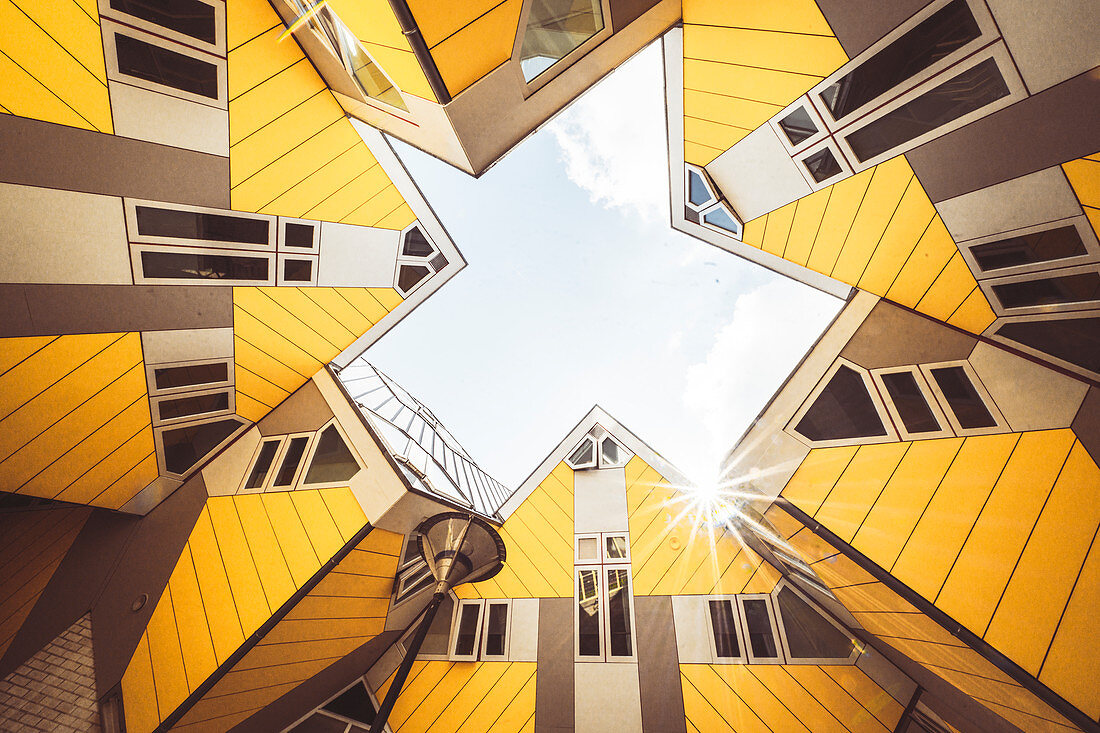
(578, 292)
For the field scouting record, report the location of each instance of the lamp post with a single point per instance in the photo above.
(459, 548)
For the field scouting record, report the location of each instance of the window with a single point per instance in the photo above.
(494, 636)
(822, 165)
(761, 645)
(970, 409)
(598, 450)
(222, 267)
(1046, 245)
(842, 409)
(724, 630)
(556, 28)
(174, 409)
(331, 461)
(909, 399)
(601, 547)
(299, 236)
(1073, 339)
(807, 634)
(262, 465)
(704, 206)
(297, 270)
(416, 244)
(317, 460)
(584, 455)
(413, 575)
(466, 632)
(351, 710)
(1070, 288)
(152, 61)
(798, 126)
(174, 378)
(604, 615)
(182, 448)
(480, 630)
(158, 224)
(199, 24)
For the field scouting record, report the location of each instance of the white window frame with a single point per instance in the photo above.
(778, 618)
(218, 47)
(625, 453)
(891, 435)
(606, 621)
(151, 378)
(597, 560)
(1080, 223)
(155, 401)
(608, 560)
(135, 237)
(158, 441)
(738, 629)
(311, 450)
(1001, 425)
(600, 604)
(714, 197)
(930, 399)
(336, 716)
(565, 62)
(846, 166)
(269, 483)
(780, 657)
(987, 284)
(595, 454)
(723, 205)
(489, 602)
(141, 279)
(456, 623)
(282, 259)
(278, 441)
(815, 117)
(109, 28)
(991, 332)
(280, 229)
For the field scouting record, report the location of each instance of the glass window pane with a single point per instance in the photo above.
(495, 629)
(298, 235)
(583, 455)
(554, 28)
(197, 405)
(616, 547)
(963, 399)
(188, 17)
(1053, 244)
(588, 601)
(354, 703)
(588, 549)
(439, 633)
(469, 617)
(910, 403)
(156, 222)
(1075, 340)
(822, 165)
(939, 35)
(798, 126)
(618, 609)
(1078, 288)
(185, 376)
(844, 409)
(320, 723)
(145, 61)
(332, 461)
(263, 464)
(971, 90)
(184, 447)
(201, 266)
(297, 270)
(290, 461)
(724, 624)
(761, 639)
(809, 634)
(410, 275)
(721, 218)
(611, 453)
(416, 244)
(697, 189)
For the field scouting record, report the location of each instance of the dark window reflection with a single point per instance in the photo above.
(189, 17)
(844, 409)
(162, 66)
(822, 165)
(1075, 340)
(798, 126)
(724, 623)
(909, 400)
(963, 398)
(758, 621)
(1053, 244)
(1078, 288)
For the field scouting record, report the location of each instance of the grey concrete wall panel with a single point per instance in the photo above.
(692, 643)
(554, 679)
(607, 698)
(159, 118)
(164, 347)
(1049, 46)
(54, 156)
(304, 410)
(318, 688)
(625, 12)
(1086, 426)
(357, 256)
(599, 501)
(523, 639)
(659, 666)
(1028, 394)
(66, 309)
(1035, 198)
(859, 23)
(737, 173)
(1046, 129)
(893, 336)
(152, 549)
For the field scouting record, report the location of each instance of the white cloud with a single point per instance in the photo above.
(613, 141)
(771, 328)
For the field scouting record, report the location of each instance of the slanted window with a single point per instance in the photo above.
(842, 410)
(555, 28)
(1033, 291)
(292, 458)
(413, 575)
(604, 615)
(261, 467)
(699, 192)
(598, 450)
(1049, 245)
(584, 455)
(967, 405)
(202, 226)
(725, 631)
(416, 244)
(702, 205)
(466, 635)
(494, 637)
(798, 126)
(909, 399)
(758, 619)
(808, 636)
(822, 165)
(332, 461)
(221, 267)
(183, 447)
(185, 376)
(152, 63)
(589, 619)
(352, 709)
(1075, 341)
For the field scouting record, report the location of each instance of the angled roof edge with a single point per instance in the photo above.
(621, 433)
(379, 146)
(672, 48)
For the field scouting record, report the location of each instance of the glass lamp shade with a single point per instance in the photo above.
(460, 548)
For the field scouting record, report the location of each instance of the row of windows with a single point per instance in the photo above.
(598, 450)
(943, 68)
(704, 205)
(315, 460)
(911, 402)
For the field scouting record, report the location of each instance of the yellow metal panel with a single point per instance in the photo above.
(419, 684)
(908, 223)
(939, 535)
(198, 649)
(240, 567)
(345, 511)
(128, 485)
(889, 181)
(754, 231)
(481, 684)
(811, 548)
(835, 698)
(364, 186)
(747, 114)
(1027, 616)
(310, 194)
(763, 580)
(362, 300)
(251, 409)
(60, 47)
(951, 288)
(217, 598)
(438, 20)
(251, 111)
(399, 218)
(329, 300)
(837, 222)
(985, 564)
(478, 48)
(791, 52)
(259, 59)
(430, 707)
(292, 537)
(974, 314)
(260, 362)
(859, 486)
(299, 302)
(1084, 176)
(250, 155)
(109, 471)
(778, 229)
(320, 527)
(516, 686)
(791, 16)
(15, 350)
(57, 359)
(704, 680)
(164, 650)
(701, 155)
(258, 388)
(903, 500)
(253, 330)
(1072, 665)
(737, 573)
(519, 708)
(864, 689)
(246, 19)
(139, 692)
(747, 82)
(268, 305)
(800, 702)
(922, 268)
(816, 476)
(808, 214)
(712, 134)
(757, 696)
(377, 208)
